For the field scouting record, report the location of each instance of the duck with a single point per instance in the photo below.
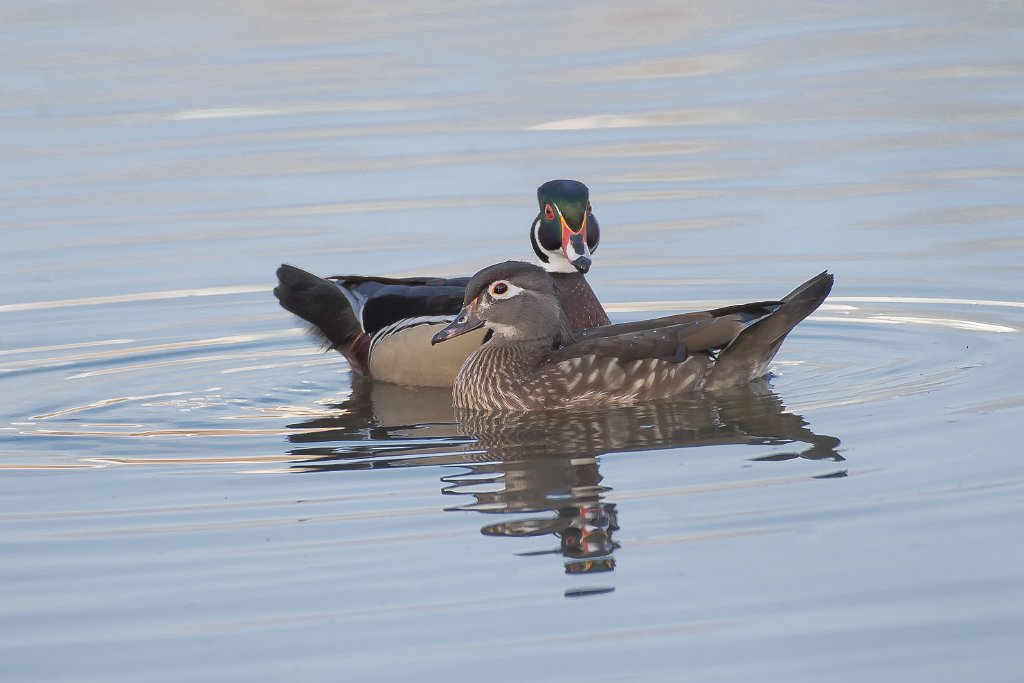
(533, 360)
(383, 326)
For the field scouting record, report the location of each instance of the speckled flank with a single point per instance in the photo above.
(518, 376)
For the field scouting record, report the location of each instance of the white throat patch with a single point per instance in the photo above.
(558, 264)
(557, 261)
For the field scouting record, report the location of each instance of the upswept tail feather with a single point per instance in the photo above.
(328, 313)
(748, 356)
(320, 303)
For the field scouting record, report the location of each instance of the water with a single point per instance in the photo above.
(190, 491)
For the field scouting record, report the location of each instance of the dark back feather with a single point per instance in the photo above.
(755, 347)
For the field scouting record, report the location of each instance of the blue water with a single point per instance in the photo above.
(191, 491)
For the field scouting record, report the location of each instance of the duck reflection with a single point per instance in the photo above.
(535, 476)
(540, 471)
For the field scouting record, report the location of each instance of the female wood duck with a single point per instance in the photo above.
(383, 326)
(533, 361)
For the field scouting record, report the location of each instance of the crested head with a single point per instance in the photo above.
(516, 300)
(565, 232)
(519, 272)
(571, 197)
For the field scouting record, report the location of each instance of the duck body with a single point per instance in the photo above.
(383, 326)
(533, 361)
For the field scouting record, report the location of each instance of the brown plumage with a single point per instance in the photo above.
(534, 361)
(580, 304)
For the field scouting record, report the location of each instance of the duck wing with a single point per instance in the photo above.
(381, 302)
(661, 337)
(626, 347)
(743, 313)
(673, 343)
(747, 336)
(350, 281)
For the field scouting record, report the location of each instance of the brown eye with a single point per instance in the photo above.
(549, 212)
(499, 288)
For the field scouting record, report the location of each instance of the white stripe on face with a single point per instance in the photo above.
(558, 260)
(510, 290)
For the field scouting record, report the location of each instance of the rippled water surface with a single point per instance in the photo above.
(191, 491)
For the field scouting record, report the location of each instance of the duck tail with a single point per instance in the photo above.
(748, 355)
(327, 311)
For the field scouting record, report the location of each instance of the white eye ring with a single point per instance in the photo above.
(503, 289)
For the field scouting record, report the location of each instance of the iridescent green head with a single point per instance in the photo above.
(565, 232)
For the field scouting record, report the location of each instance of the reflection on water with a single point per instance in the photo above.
(542, 468)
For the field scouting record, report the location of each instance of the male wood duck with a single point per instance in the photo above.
(533, 361)
(383, 326)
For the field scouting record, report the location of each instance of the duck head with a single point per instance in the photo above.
(515, 300)
(565, 232)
